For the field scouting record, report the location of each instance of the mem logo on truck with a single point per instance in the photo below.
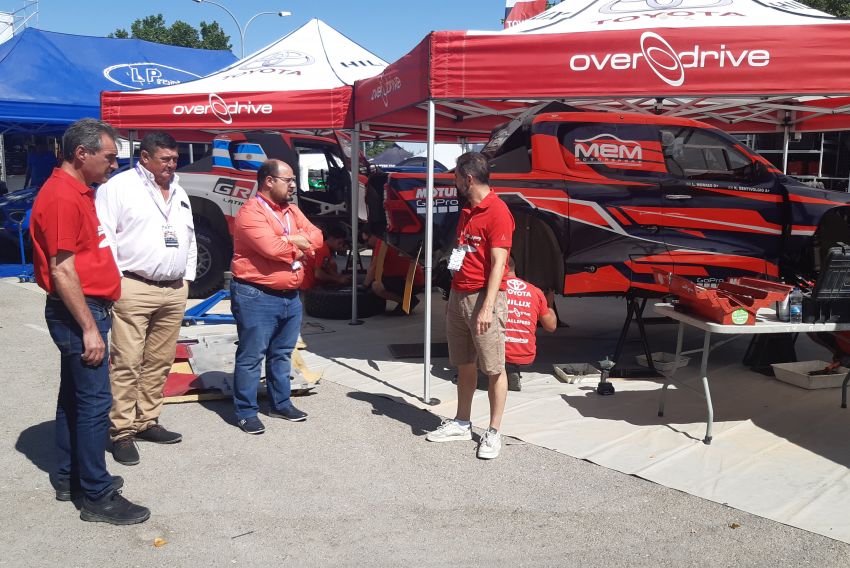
(608, 150)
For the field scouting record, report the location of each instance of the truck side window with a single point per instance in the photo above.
(247, 155)
(696, 154)
(321, 172)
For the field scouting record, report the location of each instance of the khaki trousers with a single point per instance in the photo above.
(145, 328)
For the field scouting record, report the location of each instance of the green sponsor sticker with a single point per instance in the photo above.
(739, 316)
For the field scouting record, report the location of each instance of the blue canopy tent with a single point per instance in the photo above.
(48, 80)
(51, 79)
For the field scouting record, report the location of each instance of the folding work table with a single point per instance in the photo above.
(766, 322)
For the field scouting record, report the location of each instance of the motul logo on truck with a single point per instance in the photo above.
(607, 149)
(667, 63)
(422, 192)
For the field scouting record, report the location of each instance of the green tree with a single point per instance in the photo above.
(375, 147)
(213, 37)
(154, 28)
(838, 8)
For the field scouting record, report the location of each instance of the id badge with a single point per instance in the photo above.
(169, 235)
(456, 258)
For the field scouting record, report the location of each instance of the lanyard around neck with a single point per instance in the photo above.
(287, 228)
(153, 191)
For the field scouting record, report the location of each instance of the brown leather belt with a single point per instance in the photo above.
(159, 283)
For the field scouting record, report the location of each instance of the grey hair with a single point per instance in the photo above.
(86, 132)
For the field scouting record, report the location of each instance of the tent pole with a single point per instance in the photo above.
(131, 138)
(2, 157)
(429, 253)
(785, 143)
(355, 232)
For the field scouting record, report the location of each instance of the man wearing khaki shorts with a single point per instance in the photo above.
(477, 311)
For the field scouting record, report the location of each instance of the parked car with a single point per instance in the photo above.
(602, 199)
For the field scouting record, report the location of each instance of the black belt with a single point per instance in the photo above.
(160, 283)
(266, 289)
(102, 301)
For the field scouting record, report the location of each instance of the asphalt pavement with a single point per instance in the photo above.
(354, 485)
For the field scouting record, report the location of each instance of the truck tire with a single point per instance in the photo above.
(213, 258)
(335, 303)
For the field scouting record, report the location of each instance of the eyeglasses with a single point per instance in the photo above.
(285, 180)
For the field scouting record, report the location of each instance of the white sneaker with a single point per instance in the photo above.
(449, 431)
(490, 446)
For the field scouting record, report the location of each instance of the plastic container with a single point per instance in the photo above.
(797, 374)
(795, 306)
(663, 361)
(576, 372)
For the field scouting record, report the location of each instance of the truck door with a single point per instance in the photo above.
(722, 213)
(615, 208)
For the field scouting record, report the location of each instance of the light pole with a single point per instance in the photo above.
(241, 29)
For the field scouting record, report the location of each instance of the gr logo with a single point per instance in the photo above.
(227, 186)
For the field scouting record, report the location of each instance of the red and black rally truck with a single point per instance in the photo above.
(601, 199)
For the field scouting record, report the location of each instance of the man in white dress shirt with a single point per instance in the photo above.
(148, 221)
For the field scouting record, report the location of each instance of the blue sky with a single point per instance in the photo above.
(388, 28)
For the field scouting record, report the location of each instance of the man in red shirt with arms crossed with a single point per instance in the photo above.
(272, 243)
(477, 310)
(74, 265)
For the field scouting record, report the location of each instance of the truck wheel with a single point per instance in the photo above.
(213, 256)
(335, 303)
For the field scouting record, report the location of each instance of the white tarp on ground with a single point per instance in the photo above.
(779, 451)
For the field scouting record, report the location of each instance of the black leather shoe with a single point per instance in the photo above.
(159, 435)
(64, 492)
(125, 452)
(291, 413)
(113, 508)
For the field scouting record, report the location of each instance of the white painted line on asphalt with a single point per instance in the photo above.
(39, 328)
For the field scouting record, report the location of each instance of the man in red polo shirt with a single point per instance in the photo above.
(74, 265)
(526, 306)
(477, 310)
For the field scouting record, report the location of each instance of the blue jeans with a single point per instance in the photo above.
(268, 326)
(82, 409)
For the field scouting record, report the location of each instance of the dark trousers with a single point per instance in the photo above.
(268, 325)
(82, 408)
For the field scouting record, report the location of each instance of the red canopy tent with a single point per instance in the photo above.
(742, 65)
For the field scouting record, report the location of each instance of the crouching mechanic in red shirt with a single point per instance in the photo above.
(477, 310)
(388, 280)
(526, 306)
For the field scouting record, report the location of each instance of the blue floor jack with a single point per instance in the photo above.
(23, 271)
(198, 314)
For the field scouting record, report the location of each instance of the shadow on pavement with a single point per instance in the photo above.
(420, 421)
(37, 444)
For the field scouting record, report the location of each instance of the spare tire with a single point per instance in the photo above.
(335, 303)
